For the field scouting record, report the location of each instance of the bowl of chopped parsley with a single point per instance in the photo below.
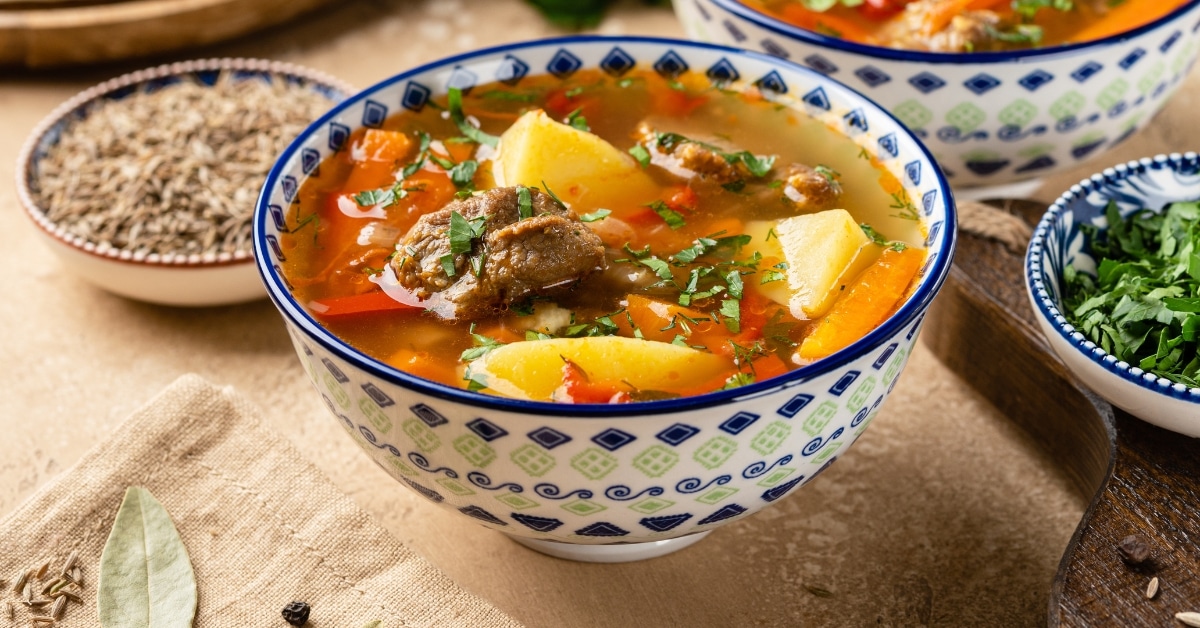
(1113, 272)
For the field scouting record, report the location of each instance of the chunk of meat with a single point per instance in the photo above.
(512, 260)
(688, 159)
(970, 31)
(809, 189)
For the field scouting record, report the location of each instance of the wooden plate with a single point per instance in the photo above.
(1140, 479)
(48, 33)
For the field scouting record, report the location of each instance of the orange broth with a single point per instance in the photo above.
(884, 23)
(335, 248)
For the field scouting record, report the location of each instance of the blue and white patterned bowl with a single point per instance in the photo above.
(566, 477)
(1059, 242)
(988, 118)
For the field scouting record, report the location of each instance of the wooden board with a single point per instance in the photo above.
(61, 33)
(1141, 480)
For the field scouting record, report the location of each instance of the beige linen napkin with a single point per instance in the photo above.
(262, 526)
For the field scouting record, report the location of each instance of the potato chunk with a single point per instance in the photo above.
(576, 165)
(818, 249)
(533, 369)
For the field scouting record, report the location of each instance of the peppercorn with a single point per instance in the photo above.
(296, 613)
(1134, 549)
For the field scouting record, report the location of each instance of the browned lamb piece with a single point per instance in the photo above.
(542, 255)
(690, 156)
(810, 190)
(973, 31)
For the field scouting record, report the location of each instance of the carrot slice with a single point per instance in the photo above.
(871, 297)
(380, 152)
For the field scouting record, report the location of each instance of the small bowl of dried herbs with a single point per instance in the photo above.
(145, 185)
(1113, 272)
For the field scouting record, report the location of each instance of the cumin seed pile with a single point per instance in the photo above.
(173, 172)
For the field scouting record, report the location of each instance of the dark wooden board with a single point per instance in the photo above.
(1140, 479)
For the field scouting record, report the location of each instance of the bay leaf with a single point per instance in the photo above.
(146, 578)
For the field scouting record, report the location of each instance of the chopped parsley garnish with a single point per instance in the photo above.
(640, 153)
(774, 273)
(880, 239)
(553, 195)
(1028, 9)
(499, 94)
(576, 120)
(901, 202)
(731, 315)
(524, 203)
(737, 380)
(463, 175)
(454, 98)
(1143, 305)
(464, 232)
(673, 218)
(482, 346)
(599, 214)
(370, 198)
(757, 165)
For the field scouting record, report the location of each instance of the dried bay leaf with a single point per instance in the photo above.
(146, 578)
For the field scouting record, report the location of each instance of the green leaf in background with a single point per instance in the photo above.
(146, 578)
(579, 14)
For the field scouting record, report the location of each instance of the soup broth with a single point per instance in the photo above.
(714, 239)
(969, 25)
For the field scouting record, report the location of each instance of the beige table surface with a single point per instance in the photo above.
(942, 514)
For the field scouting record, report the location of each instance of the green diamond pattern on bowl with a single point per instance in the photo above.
(893, 369)
(913, 114)
(655, 461)
(402, 468)
(826, 451)
(1112, 94)
(966, 117)
(1068, 105)
(816, 422)
(516, 502)
(651, 505)
(375, 415)
(455, 487)
(775, 477)
(594, 463)
(1150, 80)
(583, 507)
(715, 452)
(1018, 113)
(716, 494)
(771, 437)
(475, 450)
(533, 460)
(340, 396)
(861, 395)
(422, 436)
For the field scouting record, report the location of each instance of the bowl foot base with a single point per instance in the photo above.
(1018, 189)
(622, 553)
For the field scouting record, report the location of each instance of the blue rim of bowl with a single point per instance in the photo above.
(908, 314)
(1049, 311)
(795, 32)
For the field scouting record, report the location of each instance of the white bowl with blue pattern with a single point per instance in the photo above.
(989, 118)
(609, 482)
(1151, 183)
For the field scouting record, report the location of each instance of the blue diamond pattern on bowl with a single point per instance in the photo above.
(982, 83)
(926, 82)
(856, 122)
(888, 144)
(548, 437)
(511, 70)
(310, 162)
(429, 493)
(670, 65)
(563, 64)
(664, 523)
(795, 405)
(817, 98)
(482, 515)
(415, 96)
(820, 64)
(613, 439)
(377, 395)
(726, 512)
(338, 134)
(1170, 41)
(541, 524)
(290, 187)
(431, 417)
(374, 113)
(773, 48)
(772, 82)
(676, 434)
(883, 357)
(734, 32)
(1132, 58)
(486, 430)
(463, 79)
(1035, 79)
(617, 62)
(335, 371)
(602, 528)
(1086, 71)
(723, 72)
(775, 493)
(738, 422)
(872, 76)
(928, 201)
(912, 170)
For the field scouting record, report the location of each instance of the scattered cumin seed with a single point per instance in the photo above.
(41, 571)
(28, 591)
(60, 605)
(19, 583)
(37, 603)
(1152, 588)
(818, 591)
(1189, 619)
(77, 575)
(175, 171)
(50, 586)
(70, 595)
(72, 558)
(8, 610)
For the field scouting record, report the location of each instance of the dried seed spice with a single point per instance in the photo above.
(175, 171)
(1152, 588)
(296, 613)
(1134, 550)
(1189, 619)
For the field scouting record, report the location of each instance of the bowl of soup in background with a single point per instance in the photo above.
(989, 118)
(600, 481)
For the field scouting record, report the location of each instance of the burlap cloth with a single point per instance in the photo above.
(262, 526)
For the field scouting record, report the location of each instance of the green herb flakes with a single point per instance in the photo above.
(454, 98)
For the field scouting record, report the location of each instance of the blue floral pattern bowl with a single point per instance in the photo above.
(988, 118)
(610, 482)
(1059, 242)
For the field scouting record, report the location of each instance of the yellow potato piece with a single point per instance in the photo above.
(818, 249)
(578, 166)
(533, 369)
